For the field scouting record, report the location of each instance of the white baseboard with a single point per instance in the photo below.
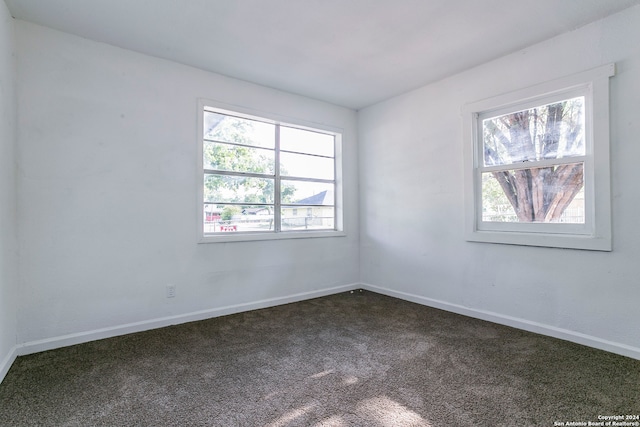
(6, 363)
(87, 336)
(539, 328)
(82, 337)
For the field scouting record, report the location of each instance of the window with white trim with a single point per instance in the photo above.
(259, 172)
(537, 164)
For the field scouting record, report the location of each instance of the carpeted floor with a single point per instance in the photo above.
(358, 359)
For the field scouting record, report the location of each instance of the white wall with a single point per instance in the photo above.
(107, 195)
(107, 136)
(8, 229)
(412, 218)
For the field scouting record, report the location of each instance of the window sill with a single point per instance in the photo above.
(249, 237)
(565, 241)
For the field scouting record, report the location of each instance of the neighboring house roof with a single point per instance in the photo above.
(254, 211)
(322, 198)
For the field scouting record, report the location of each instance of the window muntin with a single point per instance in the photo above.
(549, 143)
(257, 171)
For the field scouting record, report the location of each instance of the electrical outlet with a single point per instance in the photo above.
(171, 291)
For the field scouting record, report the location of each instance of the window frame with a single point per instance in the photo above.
(595, 233)
(275, 119)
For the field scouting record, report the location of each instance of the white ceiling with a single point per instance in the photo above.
(348, 52)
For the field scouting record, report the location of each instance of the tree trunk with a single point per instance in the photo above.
(536, 194)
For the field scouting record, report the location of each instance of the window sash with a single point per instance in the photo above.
(533, 227)
(277, 176)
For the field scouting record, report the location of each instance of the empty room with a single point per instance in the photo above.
(319, 213)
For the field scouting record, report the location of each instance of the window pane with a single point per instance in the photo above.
(228, 157)
(308, 218)
(304, 166)
(220, 127)
(544, 195)
(306, 193)
(546, 132)
(305, 141)
(234, 219)
(237, 189)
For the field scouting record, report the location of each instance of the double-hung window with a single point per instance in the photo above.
(538, 164)
(264, 178)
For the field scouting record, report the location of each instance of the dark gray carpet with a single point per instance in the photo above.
(359, 359)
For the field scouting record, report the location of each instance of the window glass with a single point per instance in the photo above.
(552, 194)
(551, 131)
(305, 141)
(225, 128)
(238, 189)
(305, 166)
(307, 193)
(315, 218)
(221, 218)
(227, 157)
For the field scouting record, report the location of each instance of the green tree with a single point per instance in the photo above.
(229, 211)
(495, 205)
(225, 156)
